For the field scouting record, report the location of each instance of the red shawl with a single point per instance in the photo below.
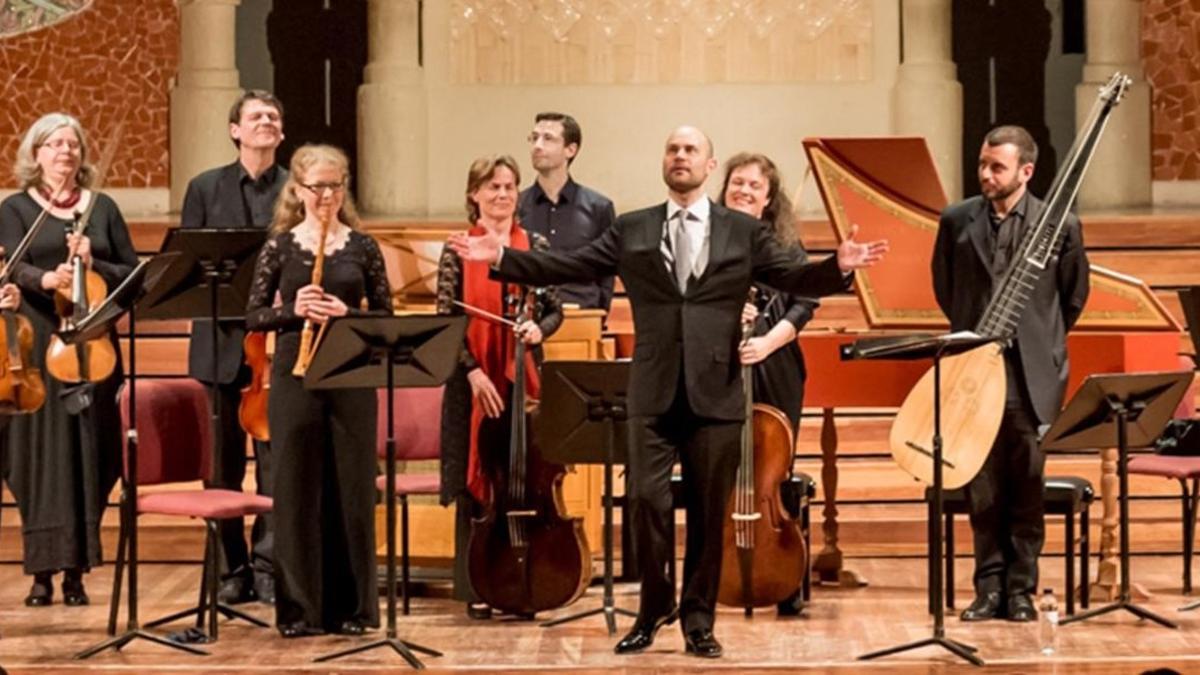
(492, 344)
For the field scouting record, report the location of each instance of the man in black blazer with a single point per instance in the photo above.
(687, 266)
(977, 240)
(238, 195)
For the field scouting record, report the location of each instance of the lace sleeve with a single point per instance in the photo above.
(379, 291)
(260, 315)
(551, 305)
(449, 289)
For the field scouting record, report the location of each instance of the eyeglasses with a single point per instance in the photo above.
(60, 144)
(534, 137)
(320, 188)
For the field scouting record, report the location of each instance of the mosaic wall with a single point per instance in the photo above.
(111, 60)
(1171, 50)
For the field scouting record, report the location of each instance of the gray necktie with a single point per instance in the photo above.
(683, 251)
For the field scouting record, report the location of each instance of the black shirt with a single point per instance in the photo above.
(226, 197)
(580, 216)
(1005, 234)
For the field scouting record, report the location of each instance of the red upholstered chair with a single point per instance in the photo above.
(417, 415)
(175, 445)
(1183, 469)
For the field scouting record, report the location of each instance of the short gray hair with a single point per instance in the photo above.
(26, 168)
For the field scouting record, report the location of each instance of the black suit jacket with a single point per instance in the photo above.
(962, 282)
(697, 332)
(213, 200)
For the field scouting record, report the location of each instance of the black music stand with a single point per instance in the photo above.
(1131, 410)
(582, 407)
(147, 278)
(210, 282)
(911, 348)
(391, 352)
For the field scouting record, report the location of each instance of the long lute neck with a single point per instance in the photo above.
(1040, 242)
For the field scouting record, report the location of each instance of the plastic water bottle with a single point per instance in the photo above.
(1048, 622)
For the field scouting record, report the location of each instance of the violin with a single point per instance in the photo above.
(524, 554)
(259, 348)
(763, 551)
(90, 360)
(22, 389)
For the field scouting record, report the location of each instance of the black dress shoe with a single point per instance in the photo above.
(986, 606)
(642, 634)
(792, 606)
(74, 594)
(298, 629)
(351, 627)
(41, 593)
(264, 588)
(480, 611)
(236, 590)
(1020, 608)
(702, 643)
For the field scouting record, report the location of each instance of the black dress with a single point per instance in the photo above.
(323, 441)
(61, 466)
(779, 378)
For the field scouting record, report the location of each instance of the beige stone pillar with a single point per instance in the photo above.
(205, 87)
(1119, 175)
(392, 108)
(927, 98)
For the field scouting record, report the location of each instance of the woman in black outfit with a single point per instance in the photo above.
(752, 186)
(475, 411)
(64, 459)
(324, 440)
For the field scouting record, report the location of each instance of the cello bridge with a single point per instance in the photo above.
(744, 517)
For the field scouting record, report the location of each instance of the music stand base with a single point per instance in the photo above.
(227, 611)
(963, 651)
(1126, 605)
(1189, 607)
(607, 609)
(401, 647)
(125, 638)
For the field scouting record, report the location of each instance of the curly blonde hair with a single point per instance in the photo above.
(26, 167)
(289, 209)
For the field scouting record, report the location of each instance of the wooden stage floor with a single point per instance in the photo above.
(839, 625)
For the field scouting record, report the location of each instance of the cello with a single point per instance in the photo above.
(763, 551)
(524, 555)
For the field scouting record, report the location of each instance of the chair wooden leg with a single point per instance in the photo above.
(1085, 539)
(114, 605)
(212, 564)
(806, 525)
(404, 563)
(1069, 554)
(949, 561)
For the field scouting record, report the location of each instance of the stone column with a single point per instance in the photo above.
(927, 98)
(1119, 176)
(392, 131)
(205, 88)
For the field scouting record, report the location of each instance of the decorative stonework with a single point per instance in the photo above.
(23, 16)
(659, 41)
(113, 56)
(1171, 51)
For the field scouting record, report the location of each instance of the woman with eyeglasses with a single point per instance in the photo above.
(63, 459)
(324, 441)
(752, 185)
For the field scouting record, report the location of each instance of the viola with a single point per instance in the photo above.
(259, 348)
(88, 360)
(524, 554)
(22, 389)
(763, 551)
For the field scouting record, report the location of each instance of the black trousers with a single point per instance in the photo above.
(707, 450)
(324, 490)
(1006, 502)
(229, 470)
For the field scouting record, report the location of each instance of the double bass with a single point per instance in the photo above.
(524, 555)
(763, 551)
